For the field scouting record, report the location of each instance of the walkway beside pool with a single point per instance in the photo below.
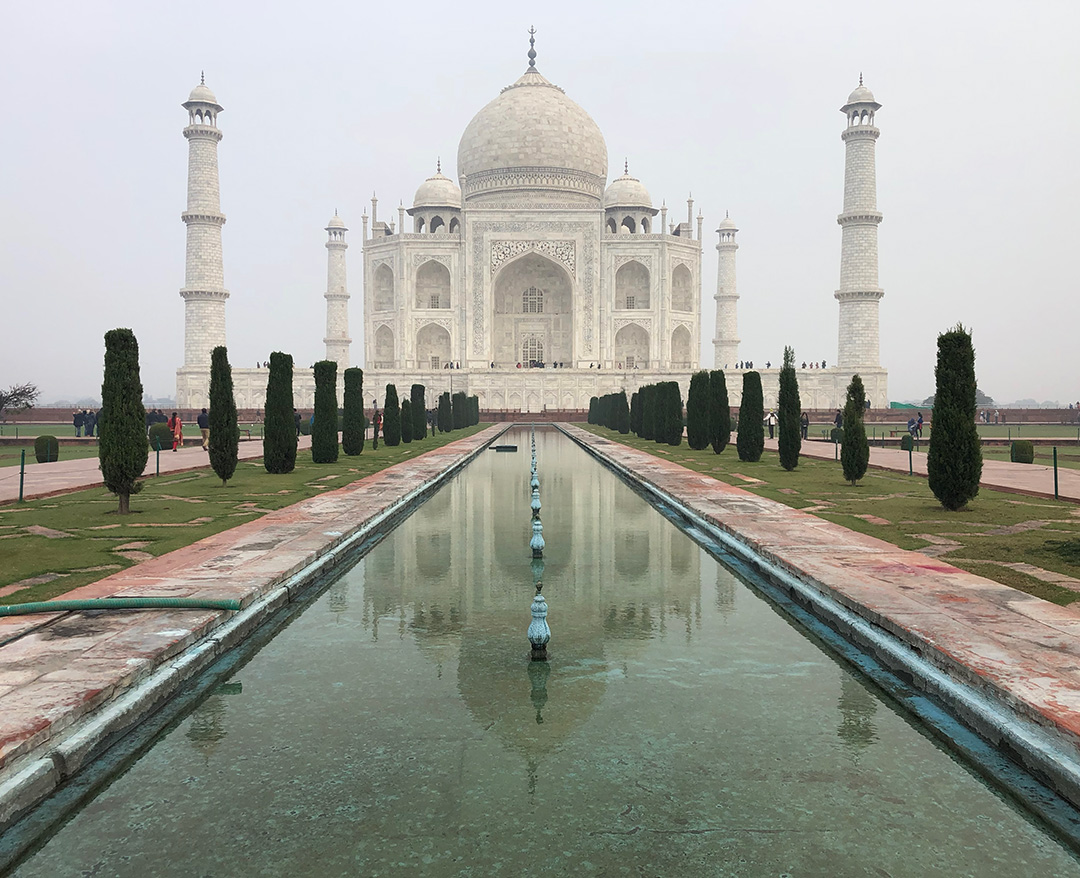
(1021, 651)
(70, 681)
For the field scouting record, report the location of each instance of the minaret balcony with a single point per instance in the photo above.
(194, 216)
(859, 217)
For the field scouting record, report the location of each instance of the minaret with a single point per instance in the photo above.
(726, 341)
(337, 296)
(204, 290)
(859, 292)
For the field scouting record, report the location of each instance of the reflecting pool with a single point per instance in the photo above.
(682, 727)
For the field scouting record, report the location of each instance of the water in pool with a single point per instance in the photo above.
(682, 727)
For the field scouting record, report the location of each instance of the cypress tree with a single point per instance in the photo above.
(391, 425)
(352, 429)
(854, 450)
(661, 427)
(954, 460)
(446, 419)
(750, 438)
(674, 411)
(418, 405)
(224, 443)
(635, 413)
(122, 445)
(623, 413)
(790, 438)
(592, 410)
(474, 410)
(324, 432)
(457, 408)
(406, 421)
(279, 428)
(719, 412)
(648, 411)
(697, 411)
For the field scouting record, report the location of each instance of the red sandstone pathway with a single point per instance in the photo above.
(1023, 649)
(56, 669)
(1002, 475)
(46, 479)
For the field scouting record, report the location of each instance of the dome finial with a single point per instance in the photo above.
(438, 165)
(860, 77)
(532, 49)
(202, 77)
(626, 167)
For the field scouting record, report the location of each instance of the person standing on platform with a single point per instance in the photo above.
(176, 427)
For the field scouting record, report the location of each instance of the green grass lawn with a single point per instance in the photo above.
(995, 529)
(60, 543)
(1067, 455)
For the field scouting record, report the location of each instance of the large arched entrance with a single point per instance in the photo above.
(632, 347)
(432, 347)
(533, 305)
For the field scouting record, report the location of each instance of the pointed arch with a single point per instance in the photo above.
(682, 285)
(384, 348)
(632, 347)
(680, 348)
(432, 285)
(384, 288)
(432, 346)
(632, 284)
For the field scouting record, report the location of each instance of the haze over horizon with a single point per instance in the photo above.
(737, 104)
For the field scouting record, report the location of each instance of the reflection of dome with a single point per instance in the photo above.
(534, 128)
(627, 191)
(438, 191)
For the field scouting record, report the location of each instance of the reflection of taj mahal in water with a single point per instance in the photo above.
(531, 282)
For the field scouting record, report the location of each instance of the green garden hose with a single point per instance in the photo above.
(119, 604)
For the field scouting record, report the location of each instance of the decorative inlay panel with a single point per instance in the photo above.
(644, 260)
(586, 278)
(560, 251)
(420, 258)
(644, 322)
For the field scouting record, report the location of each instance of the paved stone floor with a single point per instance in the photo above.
(46, 479)
(60, 668)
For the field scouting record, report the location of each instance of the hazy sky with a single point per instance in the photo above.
(737, 101)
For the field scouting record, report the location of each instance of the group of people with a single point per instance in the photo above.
(772, 421)
(85, 421)
(176, 426)
(815, 365)
(914, 426)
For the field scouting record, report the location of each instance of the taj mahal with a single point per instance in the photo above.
(532, 282)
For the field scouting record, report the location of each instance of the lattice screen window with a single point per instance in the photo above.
(532, 351)
(630, 361)
(435, 364)
(532, 301)
(631, 302)
(435, 301)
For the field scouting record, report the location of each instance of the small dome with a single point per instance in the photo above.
(627, 191)
(727, 224)
(201, 94)
(437, 191)
(336, 222)
(861, 95)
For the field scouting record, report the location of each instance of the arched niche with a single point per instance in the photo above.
(432, 285)
(384, 347)
(384, 288)
(524, 283)
(682, 283)
(632, 347)
(632, 286)
(432, 346)
(680, 348)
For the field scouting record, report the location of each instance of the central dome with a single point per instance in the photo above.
(533, 137)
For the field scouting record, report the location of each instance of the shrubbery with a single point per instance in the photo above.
(47, 449)
(324, 432)
(854, 449)
(790, 436)
(279, 433)
(750, 439)
(907, 442)
(160, 437)
(954, 461)
(719, 412)
(697, 411)
(352, 426)
(122, 448)
(1021, 451)
(224, 442)
(391, 425)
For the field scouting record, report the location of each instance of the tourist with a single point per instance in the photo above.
(203, 420)
(823, 366)
(176, 427)
(912, 428)
(804, 421)
(770, 422)
(838, 421)
(918, 426)
(296, 418)
(89, 422)
(77, 420)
